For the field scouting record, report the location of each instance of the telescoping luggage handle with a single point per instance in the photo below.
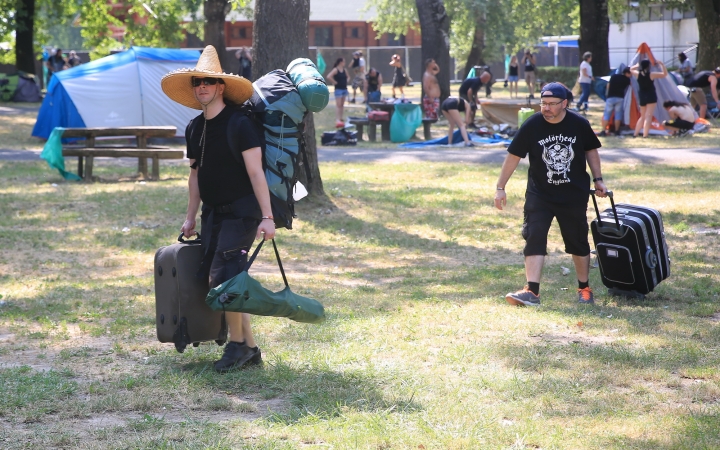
(597, 211)
(277, 255)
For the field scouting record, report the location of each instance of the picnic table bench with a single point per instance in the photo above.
(361, 122)
(142, 151)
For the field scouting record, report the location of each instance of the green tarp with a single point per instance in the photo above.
(52, 153)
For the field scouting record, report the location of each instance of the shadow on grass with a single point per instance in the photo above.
(312, 390)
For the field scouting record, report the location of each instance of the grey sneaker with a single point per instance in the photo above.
(235, 356)
(585, 296)
(524, 297)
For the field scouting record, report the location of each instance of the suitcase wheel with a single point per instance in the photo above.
(220, 342)
(196, 344)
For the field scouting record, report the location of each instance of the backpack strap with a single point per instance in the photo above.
(302, 148)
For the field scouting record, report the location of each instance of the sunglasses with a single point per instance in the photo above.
(206, 81)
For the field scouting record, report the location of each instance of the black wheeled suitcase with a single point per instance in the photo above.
(631, 249)
(181, 314)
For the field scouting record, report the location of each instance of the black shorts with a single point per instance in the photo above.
(453, 103)
(536, 224)
(647, 98)
(228, 245)
(679, 124)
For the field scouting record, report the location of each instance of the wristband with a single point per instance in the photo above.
(597, 179)
(500, 189)
(268, 217)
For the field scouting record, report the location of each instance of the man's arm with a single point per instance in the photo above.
(188, 228)
(253, 165)
(379, 81)
(593, 160)
(508, 168)
(713, 88)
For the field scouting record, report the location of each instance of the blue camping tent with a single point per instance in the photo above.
(119, 90)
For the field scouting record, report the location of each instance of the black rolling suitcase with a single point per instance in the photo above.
(630, 247)
(181, 315)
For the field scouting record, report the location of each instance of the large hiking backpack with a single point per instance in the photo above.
(277, 109)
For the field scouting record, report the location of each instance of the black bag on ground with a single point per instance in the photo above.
(181, 315)
(339, 137)
(631, 249)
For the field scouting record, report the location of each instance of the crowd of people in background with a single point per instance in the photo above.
(57, 62)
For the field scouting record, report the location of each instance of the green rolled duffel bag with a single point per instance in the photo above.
(524, 114)
(310, 84)
(243, 293)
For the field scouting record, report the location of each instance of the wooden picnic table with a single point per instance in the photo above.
(390, 109)
(142, 151)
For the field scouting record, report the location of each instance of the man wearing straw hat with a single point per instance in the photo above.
(235, 197)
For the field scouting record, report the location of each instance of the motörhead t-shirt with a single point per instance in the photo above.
(556, 152)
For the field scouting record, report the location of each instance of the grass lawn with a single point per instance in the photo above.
(420, 349)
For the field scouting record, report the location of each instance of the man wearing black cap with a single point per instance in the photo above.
(557, 143)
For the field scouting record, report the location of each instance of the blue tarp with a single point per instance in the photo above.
(457, 138)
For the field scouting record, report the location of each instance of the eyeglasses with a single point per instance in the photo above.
(206, 81)
(550, 104)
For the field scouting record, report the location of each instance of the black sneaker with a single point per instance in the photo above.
(235, 356)
(602, 133)
(351, 101)
(524, 297)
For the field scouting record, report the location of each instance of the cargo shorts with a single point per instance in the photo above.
(538, 216)
(228, 245)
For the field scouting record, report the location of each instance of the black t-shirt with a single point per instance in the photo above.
(701, 79)
(473, 83)
(222, 179)
(556, 153)
(618, 84)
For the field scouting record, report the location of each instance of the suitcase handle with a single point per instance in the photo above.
(194, 241)
(597, 211)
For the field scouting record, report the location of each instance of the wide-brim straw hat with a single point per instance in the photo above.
(178, 84)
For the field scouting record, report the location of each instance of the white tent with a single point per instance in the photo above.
(119, 90)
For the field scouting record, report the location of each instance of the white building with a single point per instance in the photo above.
(667, 31)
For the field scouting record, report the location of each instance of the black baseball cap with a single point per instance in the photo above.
(554, 89)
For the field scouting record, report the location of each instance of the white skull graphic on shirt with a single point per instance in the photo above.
(558, 154)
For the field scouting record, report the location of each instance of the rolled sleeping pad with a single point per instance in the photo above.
(310, 84)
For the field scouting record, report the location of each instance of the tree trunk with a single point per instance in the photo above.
(24, 32)
(708, 20)
(435, 29)
(594, 30)
(475, 58)
(280, 35)
(215, 12)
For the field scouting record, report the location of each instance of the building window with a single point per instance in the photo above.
(396, 41)
(656, 13)
(689, 14)
(323, 37)
(354, 33)
(240, 33)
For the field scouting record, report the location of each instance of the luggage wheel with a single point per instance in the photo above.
(627, 294)
(220, 342)
(196, 344)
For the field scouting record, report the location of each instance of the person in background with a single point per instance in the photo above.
(648, 96)
(468, 91)
(559, 145)
(338, 77)
(358, 68)
(56, 63)
(513, 76)
(528, 62)
(399, 77)
(451, 109)
(704, 79)
(614, 99)
(682, 117)
(73, 59)
(431, 89)
(585, 79)
(686, 68)
(244, 58)
(373, 85)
